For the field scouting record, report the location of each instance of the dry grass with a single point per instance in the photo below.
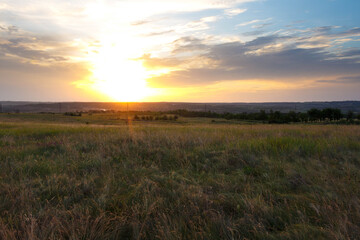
(171, 181)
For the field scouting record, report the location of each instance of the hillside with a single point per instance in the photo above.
(166, 106)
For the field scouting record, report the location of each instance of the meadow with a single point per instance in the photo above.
(97, 177)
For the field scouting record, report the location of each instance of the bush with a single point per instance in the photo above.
(73, 114)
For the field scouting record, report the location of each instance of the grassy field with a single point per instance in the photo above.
(61, 178)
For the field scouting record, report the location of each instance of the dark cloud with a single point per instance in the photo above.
(9, 64)
(323, 30)
(349, 33)
(9, 29)
(19, 40)
(25, 52)
(253, 33)
(326, 81)
(351, 53)
(241, 61)
(346, 80)
(32, 47)
(266, 40)
(189, 44)
(351, 79)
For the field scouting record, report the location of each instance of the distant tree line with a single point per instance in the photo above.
(73, 114)
(156, 118)
(313, 115)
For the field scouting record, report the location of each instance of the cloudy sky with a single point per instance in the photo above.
(180, 50)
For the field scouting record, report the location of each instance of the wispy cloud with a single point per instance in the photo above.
(248, 23)
(234, 11)
(253, 22)
(158, 33)
(141, 22)
(342, 80)
(210, 19)
(262, 25)
(254, 33)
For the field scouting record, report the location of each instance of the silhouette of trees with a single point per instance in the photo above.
(327, 114)
(350, 115)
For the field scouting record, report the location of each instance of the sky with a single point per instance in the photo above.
(180, 50)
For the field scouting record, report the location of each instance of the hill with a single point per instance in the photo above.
(344, 106)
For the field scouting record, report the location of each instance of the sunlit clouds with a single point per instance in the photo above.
(171, 50)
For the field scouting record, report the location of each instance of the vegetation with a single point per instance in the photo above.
(325, 116)
(176, 179)
(156, 118)
(73, 114)
(313, 115)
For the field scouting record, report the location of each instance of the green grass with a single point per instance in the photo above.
(118, 118)
(63, 179)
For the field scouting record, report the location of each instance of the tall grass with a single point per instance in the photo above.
(172, 181)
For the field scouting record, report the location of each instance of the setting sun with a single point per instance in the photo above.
(186, 51)
(179, 119)
(117, 75)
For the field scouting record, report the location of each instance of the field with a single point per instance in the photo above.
(96, 177)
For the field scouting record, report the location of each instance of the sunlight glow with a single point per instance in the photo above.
(117, 75)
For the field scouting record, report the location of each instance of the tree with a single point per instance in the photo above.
(314, 114)
(262, 115)
(293, 116)
(350, 115)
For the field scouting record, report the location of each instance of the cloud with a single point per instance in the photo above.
(36, 67)
(299, 55)
(351, 79)
(254, 33)
(115, 10)
(210, 19)
(141, 22)
(26, 46)
(253, 22)
(9, 29)
(158, 33)
(351, 53)
(248, 23)
(267, 58)
(197, 25)
(47, 46)
(27, 53)
(155, 63)
(26, 81)
(350, 33)
(39, 40)
(342, 80)
(188, 44)
(262, 25)
(234, 11)
(323, 30)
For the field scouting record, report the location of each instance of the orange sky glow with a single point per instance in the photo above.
(188, 51)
